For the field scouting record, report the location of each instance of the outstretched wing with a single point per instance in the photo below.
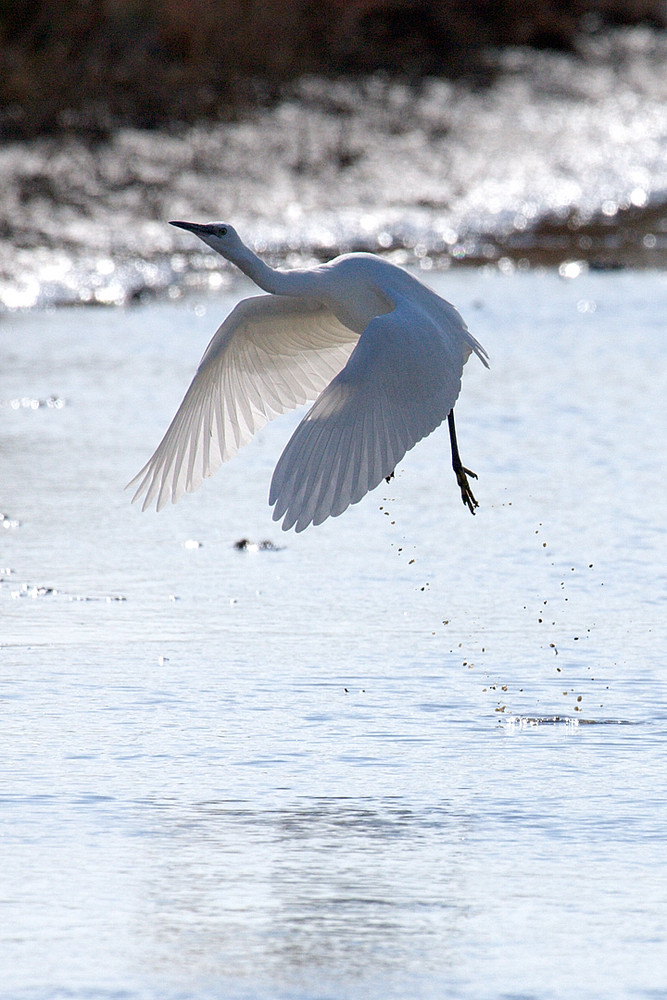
(271, 354)
(401, 381)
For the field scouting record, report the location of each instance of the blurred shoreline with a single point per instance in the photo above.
(90, 68)
(559, 161)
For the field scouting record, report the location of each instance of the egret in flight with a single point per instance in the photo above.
(380, 354)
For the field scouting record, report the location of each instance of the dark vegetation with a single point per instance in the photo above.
(88, 65)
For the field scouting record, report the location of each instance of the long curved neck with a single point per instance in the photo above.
(268, 278)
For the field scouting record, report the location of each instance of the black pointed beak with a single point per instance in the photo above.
(198, 228)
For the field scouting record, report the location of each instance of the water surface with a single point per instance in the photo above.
(408, 754)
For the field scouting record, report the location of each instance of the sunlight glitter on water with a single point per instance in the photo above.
(560, 159)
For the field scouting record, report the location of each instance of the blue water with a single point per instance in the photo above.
(409, 754)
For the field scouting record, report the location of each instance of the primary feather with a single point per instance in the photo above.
(269, 356)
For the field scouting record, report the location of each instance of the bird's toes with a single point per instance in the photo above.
(467, 495)
(470, 502)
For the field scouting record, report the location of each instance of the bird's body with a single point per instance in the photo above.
(379, 352)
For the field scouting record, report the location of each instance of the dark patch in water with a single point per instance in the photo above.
(245, 545)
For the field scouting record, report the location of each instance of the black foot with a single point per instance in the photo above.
(389, 478)
(466, 493)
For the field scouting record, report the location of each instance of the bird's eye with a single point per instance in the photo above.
(223, 230)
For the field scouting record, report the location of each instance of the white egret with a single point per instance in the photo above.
(380, 353)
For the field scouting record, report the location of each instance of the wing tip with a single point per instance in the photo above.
(139, 492)
(146, 485)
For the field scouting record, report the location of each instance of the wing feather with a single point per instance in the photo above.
(271, 354)
(402, 379)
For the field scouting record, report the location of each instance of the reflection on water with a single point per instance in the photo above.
(331, 766)
(328, 886)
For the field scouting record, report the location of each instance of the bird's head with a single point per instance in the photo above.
(219, 236)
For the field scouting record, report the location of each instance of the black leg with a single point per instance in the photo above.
(460, 472)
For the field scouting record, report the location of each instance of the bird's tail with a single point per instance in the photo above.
(474, 347)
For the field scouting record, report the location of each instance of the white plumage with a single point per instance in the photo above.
(381, 355)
